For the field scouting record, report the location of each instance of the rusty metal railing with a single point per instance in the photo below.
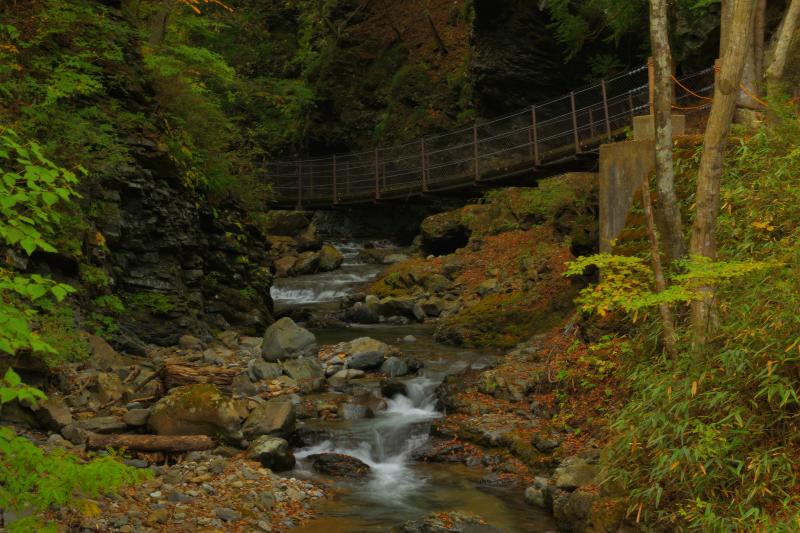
(542, 135)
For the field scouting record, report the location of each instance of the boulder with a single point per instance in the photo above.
(109, 387)
(284, 267)
(444, 233)
(286, 340)
(365, 353)
(307, 263)
(394, 367)
(391, 388)
(307, 371)
(329, 258)
(339, 465)
(272, 452)
(104, 357)
(303, 368)
(275, 418)
(199, 409)
(361, 314)
(136, 417)
(308, 239)
(190, 342)
(286, 223)
(102, 424)
(260, 369)
(574, 472)
(53, 413)
(397, 306)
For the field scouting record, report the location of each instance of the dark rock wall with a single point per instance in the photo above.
(178, 265)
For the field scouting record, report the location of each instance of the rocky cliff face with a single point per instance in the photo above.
(179, 265)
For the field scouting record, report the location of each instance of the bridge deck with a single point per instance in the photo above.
(542, 138)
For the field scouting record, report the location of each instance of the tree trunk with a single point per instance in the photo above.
(726, 90)
(667, 321)
(783, 43)
(151, 443)
(175, 375)
(672, 227)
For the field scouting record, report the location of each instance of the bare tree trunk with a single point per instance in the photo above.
(783, 44)
(726, 90)
(665, 173)
(667, 321)
(151, 443)
(759, 34)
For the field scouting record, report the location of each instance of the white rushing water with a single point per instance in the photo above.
(386, 442)
(325, 287)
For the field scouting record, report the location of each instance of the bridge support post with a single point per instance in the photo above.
(534, 129)
(575, 123)
(605, 109)
(651, 83)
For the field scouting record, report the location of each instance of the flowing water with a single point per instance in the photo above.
(398, 488)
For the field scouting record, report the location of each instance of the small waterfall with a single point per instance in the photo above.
(325, 287)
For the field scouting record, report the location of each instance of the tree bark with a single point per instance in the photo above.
(667, 321)
(175, 375)
(726, 90)
(672, 226)
(783, 43)
(151, 443)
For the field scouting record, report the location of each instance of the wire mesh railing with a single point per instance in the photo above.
(540, 135)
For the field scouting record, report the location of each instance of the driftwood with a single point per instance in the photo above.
(175, 375)
(151, 443)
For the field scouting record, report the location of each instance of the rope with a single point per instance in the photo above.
(751, 95)
(688, 90)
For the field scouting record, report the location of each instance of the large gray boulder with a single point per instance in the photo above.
(272, 452)
(307, 263)
(365, 353)
(286, 340)
(275, 418)
(329, 258)
(199, 409)
(307, 371)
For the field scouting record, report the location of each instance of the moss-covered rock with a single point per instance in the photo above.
(200, 409)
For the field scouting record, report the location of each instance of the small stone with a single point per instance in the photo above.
(264, 526)
(136, 417)
(227, 514)
(190, 342)
(409, 338)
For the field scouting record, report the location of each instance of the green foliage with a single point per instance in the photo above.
(153, 301)
(709, 442)
(31, 481)
(625, 281)
(93, 276)
(57, 327)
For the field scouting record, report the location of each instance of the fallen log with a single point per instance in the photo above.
(175, 375)
(151, 443)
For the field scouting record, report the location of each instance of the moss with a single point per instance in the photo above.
(59, 329)
(93, 276)
(153, 301)
(397, 280)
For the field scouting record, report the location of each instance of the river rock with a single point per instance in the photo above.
(275, 418)
(452, 522)
(272, 452)
(284, 266)
(136, 417)
(53, 413)
(102, 424)
(392, 387)
(365, 353)
(307, 371)
(109, 387)
(444, 233)
(339, 465)
(391, 259)
(287, 223)
(329, 258)
(574, 472)
(397, 306)
(286, 340)
(190, 342)
(307, 263)
(394, 367)
(259, 369)
(308, 239)
(199, 409)
(360, 313)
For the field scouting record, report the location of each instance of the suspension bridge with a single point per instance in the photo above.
(545, 138)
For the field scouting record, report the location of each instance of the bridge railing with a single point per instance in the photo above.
(539, 135)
